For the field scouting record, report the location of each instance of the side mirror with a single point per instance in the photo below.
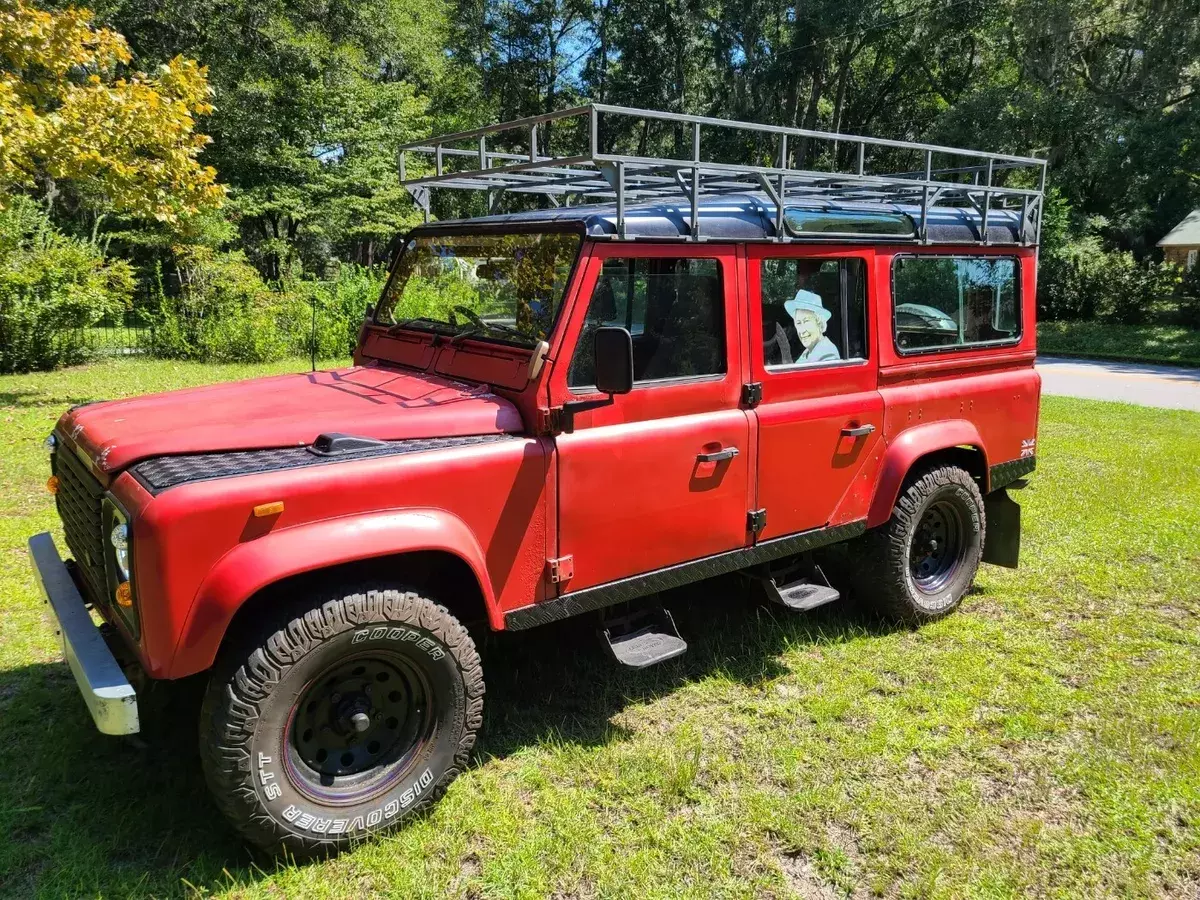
(369, 315)
(613, 349)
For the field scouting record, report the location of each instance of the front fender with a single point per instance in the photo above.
(909, 446)
(256, 564)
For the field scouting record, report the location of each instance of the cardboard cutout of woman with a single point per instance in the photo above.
(811, 319)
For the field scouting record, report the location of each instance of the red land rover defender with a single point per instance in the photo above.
(729, 366)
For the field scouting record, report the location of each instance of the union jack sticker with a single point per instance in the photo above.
(1027, 448)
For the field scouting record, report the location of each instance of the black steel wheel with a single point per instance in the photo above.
(920, 564)
(936, 552)
(357, 727)
(339, 722)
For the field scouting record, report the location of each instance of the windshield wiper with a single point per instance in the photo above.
(463, 335)
(405, 323)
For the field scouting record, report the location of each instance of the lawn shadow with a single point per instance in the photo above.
(33, 399)
(97, 815)
(559, 683)
(86, 814)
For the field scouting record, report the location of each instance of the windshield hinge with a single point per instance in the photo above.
(550, 420)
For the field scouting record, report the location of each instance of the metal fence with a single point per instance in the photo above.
(124, 334)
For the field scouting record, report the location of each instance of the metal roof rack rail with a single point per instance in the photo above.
(984, 182)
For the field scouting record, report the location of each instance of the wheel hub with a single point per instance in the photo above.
(934, 557)
(362, 714)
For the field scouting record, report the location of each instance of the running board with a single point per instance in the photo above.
(800, 596)
(643, 639)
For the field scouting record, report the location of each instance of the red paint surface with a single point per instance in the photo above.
(622, 495)
(287, 410)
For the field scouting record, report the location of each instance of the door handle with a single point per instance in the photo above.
(717, 456)
(860, 431)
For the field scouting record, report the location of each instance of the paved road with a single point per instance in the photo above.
(1171, 387)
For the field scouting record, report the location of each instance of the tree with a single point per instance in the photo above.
(311, 100)
(71, 122)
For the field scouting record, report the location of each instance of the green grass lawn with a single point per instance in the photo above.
(1044, 741)
(1137, 343)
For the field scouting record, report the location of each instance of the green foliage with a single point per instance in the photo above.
(1081, 277)
(1082, 280)
(52, 286)
(224, 312)
(73, 115)
(310, 99)
(1176, 344)
(1189, 298)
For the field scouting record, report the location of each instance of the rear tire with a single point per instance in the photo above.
(342, 722)
(920, 564)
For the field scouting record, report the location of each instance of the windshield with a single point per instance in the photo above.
(501, 286)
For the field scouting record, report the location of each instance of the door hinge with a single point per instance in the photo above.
(752, 393)
(548, 420)
(561, 569)
(756, 520)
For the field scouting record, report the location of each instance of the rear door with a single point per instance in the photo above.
(820, 419)
(662, 475)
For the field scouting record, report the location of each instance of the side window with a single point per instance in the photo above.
(673, 308)
(954, 301)
(813, 311)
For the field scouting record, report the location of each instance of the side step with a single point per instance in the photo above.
(643, 638)
(800, 596)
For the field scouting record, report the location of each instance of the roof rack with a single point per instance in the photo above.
(985, 182)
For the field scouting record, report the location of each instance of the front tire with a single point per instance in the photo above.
(342, 722)
(921, 563)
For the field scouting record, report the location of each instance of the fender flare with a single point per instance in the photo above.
(909, 446)
(251, 566)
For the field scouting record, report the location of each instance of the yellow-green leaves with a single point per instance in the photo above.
(70, 111)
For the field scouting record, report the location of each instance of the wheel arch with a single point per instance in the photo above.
(957, 442)
(430, 549)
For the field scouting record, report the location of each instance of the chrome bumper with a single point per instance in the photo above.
(108, 693)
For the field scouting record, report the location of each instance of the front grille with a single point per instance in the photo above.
(80, 501)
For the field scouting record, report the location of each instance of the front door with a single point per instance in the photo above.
(662, 475)
(820, 420)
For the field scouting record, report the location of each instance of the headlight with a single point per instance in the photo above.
(119, 537)
(51, 442)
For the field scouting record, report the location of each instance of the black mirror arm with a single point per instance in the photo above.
(566, 421)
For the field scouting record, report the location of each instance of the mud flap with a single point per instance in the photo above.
(1003, 544)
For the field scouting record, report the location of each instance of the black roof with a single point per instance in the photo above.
(749, 216)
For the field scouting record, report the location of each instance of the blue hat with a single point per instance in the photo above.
(807, 300)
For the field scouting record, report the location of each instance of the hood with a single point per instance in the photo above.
(286, 410)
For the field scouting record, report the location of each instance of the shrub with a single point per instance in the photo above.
(340, 304)
(224, 312)
(1189, 299)
(1080, 280)
(52, 288)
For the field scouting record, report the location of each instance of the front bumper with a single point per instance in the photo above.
(109, 695)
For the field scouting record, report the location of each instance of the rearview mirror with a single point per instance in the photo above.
(613, 348)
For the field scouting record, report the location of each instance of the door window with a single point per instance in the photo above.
(674, 309)
(814, 311)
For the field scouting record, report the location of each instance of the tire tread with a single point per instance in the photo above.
(242, 680)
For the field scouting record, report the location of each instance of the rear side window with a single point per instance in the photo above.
(674, 309)
(814, 311)
(944, 302)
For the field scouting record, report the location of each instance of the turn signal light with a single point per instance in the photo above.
(124, 595)
(52, 484)
(268, 509)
